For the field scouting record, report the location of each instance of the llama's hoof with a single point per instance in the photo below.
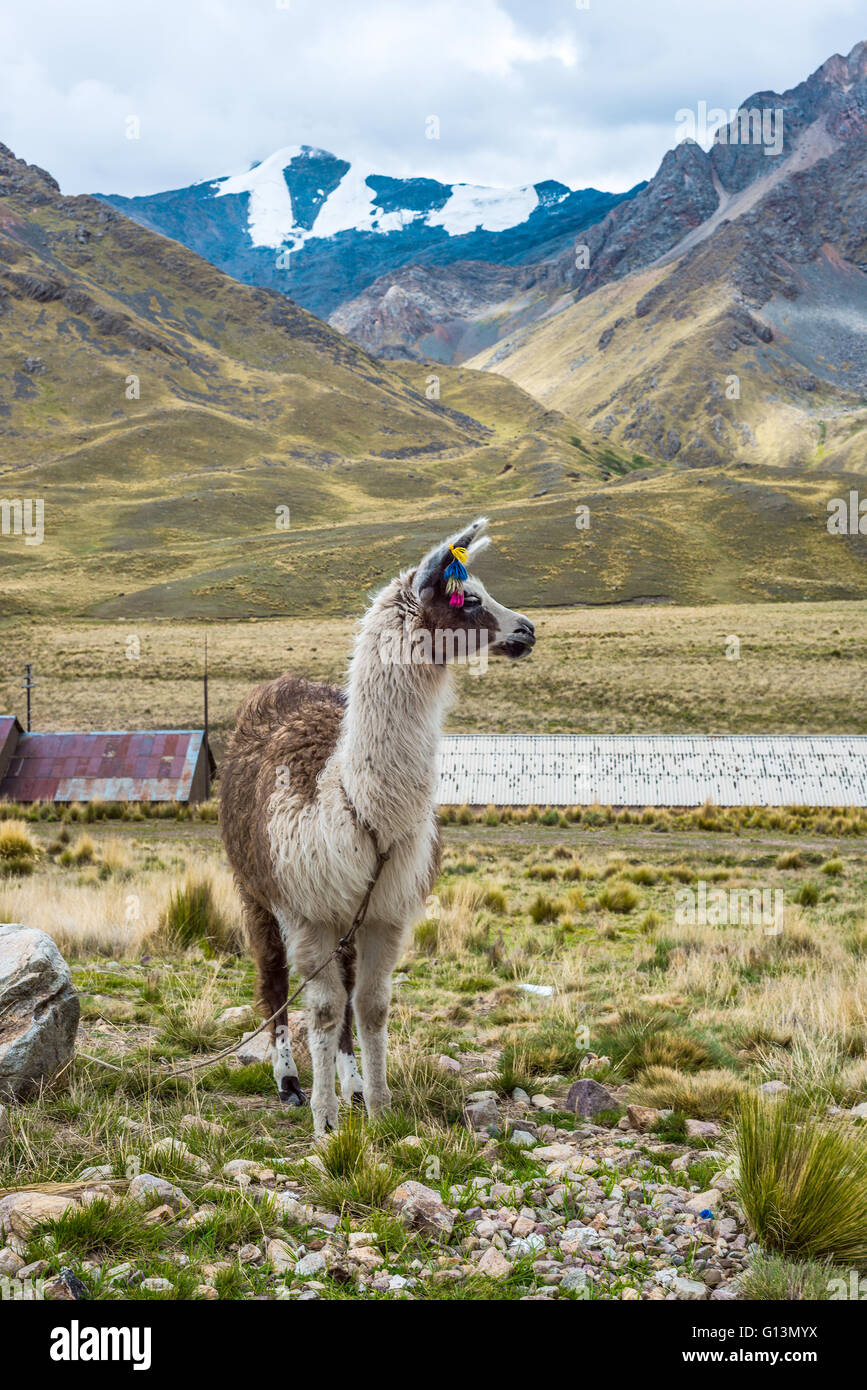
(290, 1092)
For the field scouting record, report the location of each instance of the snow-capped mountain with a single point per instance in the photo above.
(322, 229)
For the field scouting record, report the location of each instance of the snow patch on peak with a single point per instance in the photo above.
(491, 209)
(270, 218)
(352, 207)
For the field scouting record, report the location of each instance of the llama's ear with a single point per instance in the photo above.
(430, 572)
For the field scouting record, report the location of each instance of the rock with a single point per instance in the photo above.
(642, 1117)
(858, 1112)
(494, 1264)
(308, 1265)
(250, 1255)
(483, 1114)
(10, 1261)
(482, 1095)
(773, 1088)
(293, 1209)
(162, 1215)
(523, 1139)
(705, 1201)
(254, 1049)
(146, 1185)
(281, 1257)
(520, 1095)
(39, 1008)
(449, 1064)
(573, 1280)
(702, 1129)
(178, 1149)
(689, 1289)
(5, 1124)
(420, 1207)
(587, 1098)
(66, 1288)
(247, 1168)
(206, 1291)
(21, 1211)
(195, 1122)
(241, 1015)
(542, 1102)
(103, 1170)
(156, 1285)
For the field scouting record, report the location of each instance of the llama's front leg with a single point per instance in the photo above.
(325, 1000)
(377, 955)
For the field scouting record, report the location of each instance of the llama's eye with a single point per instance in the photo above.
(470, 601)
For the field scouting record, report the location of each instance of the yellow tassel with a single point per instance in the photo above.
(459, 552)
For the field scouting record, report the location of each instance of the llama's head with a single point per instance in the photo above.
(507, 632)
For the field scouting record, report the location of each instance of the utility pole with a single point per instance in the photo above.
(28, 684)
(207, 750)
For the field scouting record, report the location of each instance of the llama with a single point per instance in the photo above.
(316, 782)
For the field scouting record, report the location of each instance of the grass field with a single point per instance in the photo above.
(801, 669)
(684, 1198)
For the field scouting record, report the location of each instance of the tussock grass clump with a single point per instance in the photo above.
(618, 897)
(82, 852)
(774, 1279)
(354, 1181)
(833, 868)
(544, 909)
(802, 1182)
(706, 1095)
(192, 918)
(791, 859)
(19, 851)
(808, 894)
(642, 1040)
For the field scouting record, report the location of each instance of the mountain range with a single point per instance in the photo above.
(695, 379)
(716, 312)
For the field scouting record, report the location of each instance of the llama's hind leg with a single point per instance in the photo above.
(351, 1087)
(269, 953)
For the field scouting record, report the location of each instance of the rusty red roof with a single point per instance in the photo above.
(150, 765)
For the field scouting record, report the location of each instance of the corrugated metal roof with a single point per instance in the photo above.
(653, 770)
(151, 765)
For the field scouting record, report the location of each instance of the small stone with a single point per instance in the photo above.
(308, 1265)
(280, 1255)
(773, 1088)
(241, 1015)
(482, 1095)
(702, 1129)
(254, 1049)
(494, 1264)
(858, 1112)
(10, 1261)
(421, 1208)
(146, 1185)
(642, 1117)
(247, 1168)
(542, 1102)
(523, 1139)
(449, 1064)
(573, 1279)
(157, 1285)
(160, 1216)
(66, 1288)
(519, 1094)
(689, 1289)
(103, 1170)
(483, 1114)
(705, 1201)
(250, 1255)
(206, 1291)
(587, 1098)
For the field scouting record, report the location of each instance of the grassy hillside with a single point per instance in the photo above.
(163, 412)
(647, 363)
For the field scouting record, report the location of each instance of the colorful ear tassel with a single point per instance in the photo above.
(455, 575)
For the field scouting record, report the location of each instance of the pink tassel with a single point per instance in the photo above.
(457, 600)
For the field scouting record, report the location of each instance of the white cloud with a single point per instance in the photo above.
(523, 89)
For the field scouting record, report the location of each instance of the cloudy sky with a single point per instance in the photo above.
(523, 89)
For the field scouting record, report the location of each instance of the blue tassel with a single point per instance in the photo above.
(456, 571)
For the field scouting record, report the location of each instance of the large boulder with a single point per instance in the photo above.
(587, 1098)
(39, 1011)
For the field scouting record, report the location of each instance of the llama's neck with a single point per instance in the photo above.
(387, 754)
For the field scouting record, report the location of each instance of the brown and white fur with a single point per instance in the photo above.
(308, 769)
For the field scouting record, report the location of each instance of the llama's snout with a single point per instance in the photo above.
(519, 640)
